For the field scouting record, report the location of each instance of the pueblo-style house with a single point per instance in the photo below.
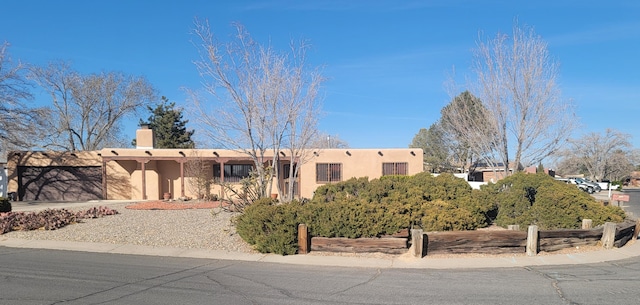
(147, 173)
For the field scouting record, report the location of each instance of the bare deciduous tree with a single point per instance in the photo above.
(87, 110)
(466, 126)
(17, 121)
(324, 140)
(516, 82)
(601, 156)
(301, 105)
(266, 101)
(567, 164)
(199, 173)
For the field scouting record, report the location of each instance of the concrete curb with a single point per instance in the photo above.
(403, 261)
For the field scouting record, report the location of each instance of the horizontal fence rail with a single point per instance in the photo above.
(482, 241)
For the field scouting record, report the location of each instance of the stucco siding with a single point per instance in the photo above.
(356, 163)
(162, 174)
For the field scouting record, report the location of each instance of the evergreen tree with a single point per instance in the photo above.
(168, 126)
(433, 144)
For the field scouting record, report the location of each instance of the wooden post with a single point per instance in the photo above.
(513, 227)
(608, 235)
(637, 230)
(417, 242)
(182, 179)
(586, 224)
(104, 180)
(532, 240)
(303, 239)
(144, 180)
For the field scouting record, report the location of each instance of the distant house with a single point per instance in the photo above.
(534, 169)
(144, 172)
(484, 172)
(634, 178)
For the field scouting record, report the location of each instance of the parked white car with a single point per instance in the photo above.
(586, 185)
(582, 184)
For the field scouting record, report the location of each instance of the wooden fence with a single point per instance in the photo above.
(393, 244)
(483, 241)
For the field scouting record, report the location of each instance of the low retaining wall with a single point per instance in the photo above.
(384, 245)
(484, 241)
(393, 244)
(531, 242)
(456, 242)
(554, 240)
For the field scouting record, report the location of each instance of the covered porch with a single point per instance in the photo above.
(155, 174)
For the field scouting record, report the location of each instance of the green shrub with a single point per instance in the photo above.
(538, 199)
(5, 205)
(353, 218)
(617, 183)
(360, 208)
(403, 201)
(457, 215)
(351, 188)
(443, 187)
(442, 203)
(440, 215)
(270, 227)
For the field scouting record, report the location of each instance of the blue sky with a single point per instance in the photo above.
(386, 61)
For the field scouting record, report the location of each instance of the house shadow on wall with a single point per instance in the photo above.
(56, 176)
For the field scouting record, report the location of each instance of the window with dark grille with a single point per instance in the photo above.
(328, 172)
(286, 170)
(233, 172)
(397, 168)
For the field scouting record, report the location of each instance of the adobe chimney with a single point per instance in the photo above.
(144, 137)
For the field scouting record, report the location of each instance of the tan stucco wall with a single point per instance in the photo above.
(169, 175)
(360, 163)
(176, 153)
(152, 179)
(119, 184)
(124, 170)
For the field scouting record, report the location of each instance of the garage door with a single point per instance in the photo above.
(55, 183)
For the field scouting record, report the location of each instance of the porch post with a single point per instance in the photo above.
(104, 180)
(222, 192)
(182, 179)
(222, 171)
(144, 180)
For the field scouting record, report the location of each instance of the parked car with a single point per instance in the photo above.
(586, 185)
(583, 187)
(604, 184)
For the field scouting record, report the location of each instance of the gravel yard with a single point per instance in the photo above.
(191, 228)
(187, 228)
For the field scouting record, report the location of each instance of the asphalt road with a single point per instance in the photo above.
(63, 277)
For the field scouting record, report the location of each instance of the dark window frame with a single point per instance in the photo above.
(233, 172)
(328, 172)
(395, 168)
(285, 170)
